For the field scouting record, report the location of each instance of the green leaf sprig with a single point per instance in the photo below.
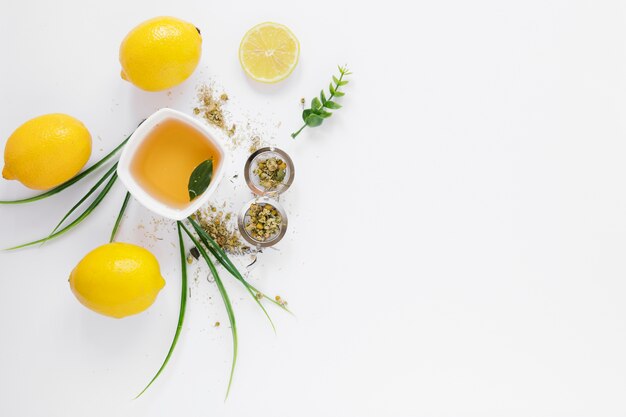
(70, 182)
(95, 203)
(200, 179)
(204, 243)
(225, 298)
(217, 251)
(319, 110)
(181, 311)
(111, 175)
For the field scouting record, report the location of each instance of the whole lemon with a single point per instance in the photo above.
(160, 53)
(46, 151)
(117, 280)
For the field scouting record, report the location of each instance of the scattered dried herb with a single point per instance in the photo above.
(210, 108)
(221, 227)
(255, 144)
(271, 172)
(263, 222)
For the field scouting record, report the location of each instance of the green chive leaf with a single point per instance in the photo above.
(181, 311)
(70, 182)
(78, 220)
(120, 216)
(85, 197)
(225, 299)
(217, 251)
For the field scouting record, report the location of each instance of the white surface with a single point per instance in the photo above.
(211, 135)
(457, 230)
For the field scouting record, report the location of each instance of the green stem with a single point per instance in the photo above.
(293, 135)
(70, 182)
(337, 86)
(119, 217)
(181, 312)
(225, 298)
(78, 220)
(85, 197)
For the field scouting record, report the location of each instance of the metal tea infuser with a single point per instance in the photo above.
(265, 196)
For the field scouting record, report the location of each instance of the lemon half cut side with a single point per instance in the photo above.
(269, 52)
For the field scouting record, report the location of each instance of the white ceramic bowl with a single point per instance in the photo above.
(211, 134)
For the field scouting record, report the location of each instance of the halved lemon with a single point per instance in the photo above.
(269, 52)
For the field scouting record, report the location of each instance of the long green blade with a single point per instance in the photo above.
(120, 216)
(227, 304)
(181, 312)
(85, 197)
(76, 221)
(206, 239)
(223, 258)
(70, 182)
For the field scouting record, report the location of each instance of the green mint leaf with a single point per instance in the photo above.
(314, 120)
(316, 104)
(325, 114)
(336, 80)
(339, 94)
(322, 97)
(332, 89)
(306, 113)
(332, 105)
(343, 82)
(200, 179)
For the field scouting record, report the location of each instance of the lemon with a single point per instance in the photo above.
(117, 280)
(46, 151)
(269, 52)
(160, 53)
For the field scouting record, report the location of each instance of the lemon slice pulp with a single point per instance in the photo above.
(269, 52)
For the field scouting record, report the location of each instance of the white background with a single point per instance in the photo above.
(457, 230)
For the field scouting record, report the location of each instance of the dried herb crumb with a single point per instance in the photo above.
(210, 108)
(255, 144)
(220, 226)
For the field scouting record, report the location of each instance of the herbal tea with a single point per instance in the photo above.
(165, 160)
